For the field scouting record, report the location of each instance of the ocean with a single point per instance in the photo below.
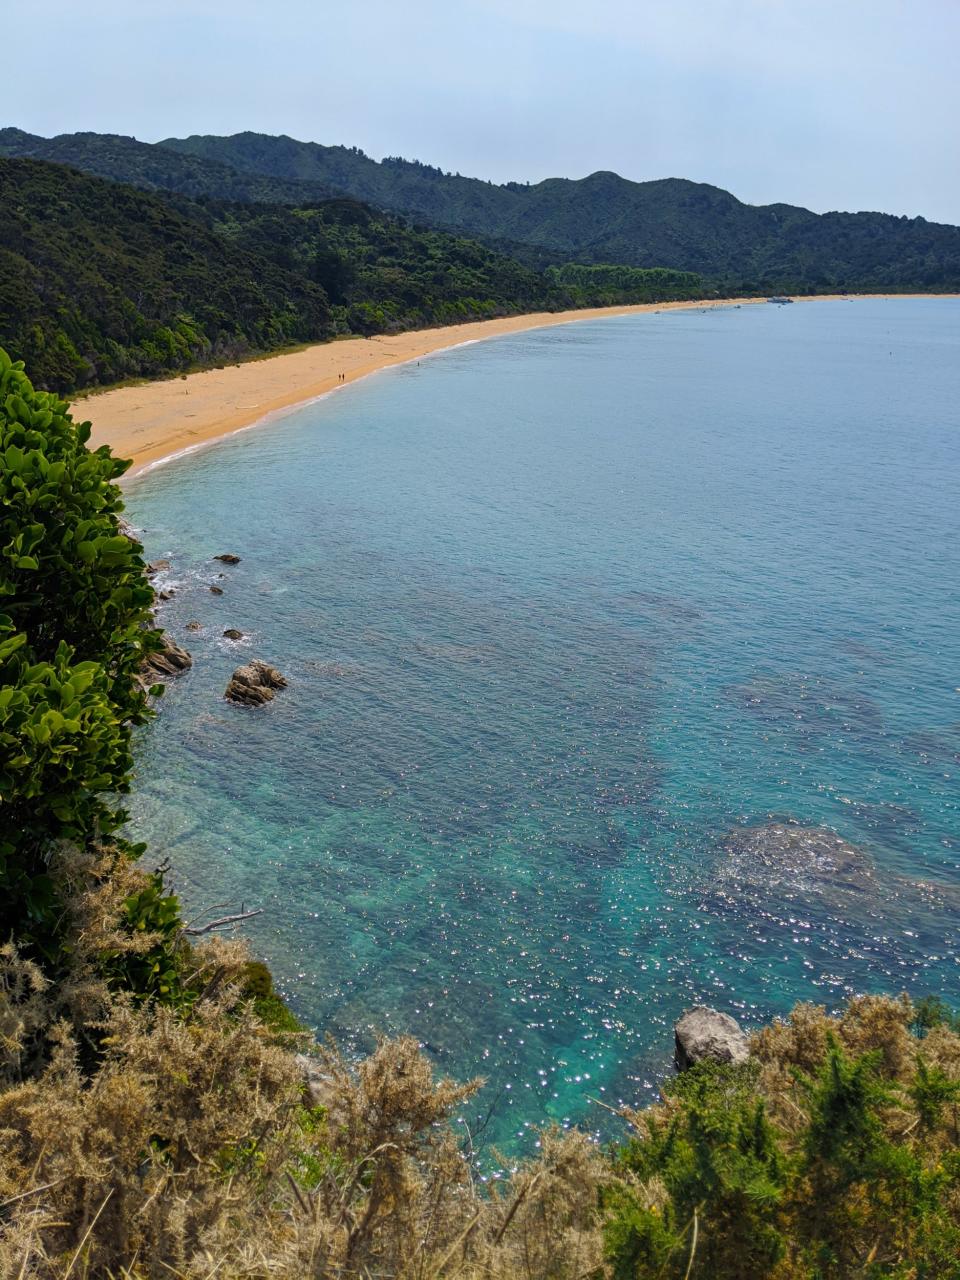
(624, 674)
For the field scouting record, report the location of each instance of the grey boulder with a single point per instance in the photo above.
(705, 1034)
(316, 1084)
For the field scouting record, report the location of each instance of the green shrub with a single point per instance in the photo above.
(74, 629)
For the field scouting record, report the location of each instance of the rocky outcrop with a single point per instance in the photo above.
(316, 1084)
(254, 684)
(228, 558)
(168, 661)
(232, 633)
(705, 1034)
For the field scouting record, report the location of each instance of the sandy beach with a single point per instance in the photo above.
(157, 420)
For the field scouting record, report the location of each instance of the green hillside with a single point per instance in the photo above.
(600, 219)
(605, 218)
(110, 155)
(101, 281)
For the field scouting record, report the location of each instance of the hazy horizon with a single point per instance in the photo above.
(856, 109)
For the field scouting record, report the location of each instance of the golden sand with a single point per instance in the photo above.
(158, 419)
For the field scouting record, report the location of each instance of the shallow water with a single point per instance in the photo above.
(559, 611)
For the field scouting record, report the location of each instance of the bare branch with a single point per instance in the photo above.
(195, 931)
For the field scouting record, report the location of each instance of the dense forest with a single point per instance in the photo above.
(604, 218)
(109, 155)
(100, 281)
(156, 1119)
(600, 219)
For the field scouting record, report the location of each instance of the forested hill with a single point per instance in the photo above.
(100, 281)
(122, 159)
(605, 218)
(599, 219)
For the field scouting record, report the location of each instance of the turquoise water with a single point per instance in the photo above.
(559, 611)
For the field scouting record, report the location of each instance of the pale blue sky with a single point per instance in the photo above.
(832, 104)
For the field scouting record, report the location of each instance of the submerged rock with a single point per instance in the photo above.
(793, 862)
(193, 626)
(168, 661)
(217, 591)
(228, 558)
(254, 684)
(705, 1034)
(232, 633)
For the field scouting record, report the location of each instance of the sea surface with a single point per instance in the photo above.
(562, 614)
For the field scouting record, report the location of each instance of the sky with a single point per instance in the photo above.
(830, 104)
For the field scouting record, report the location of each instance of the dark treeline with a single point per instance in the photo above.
(652, 284)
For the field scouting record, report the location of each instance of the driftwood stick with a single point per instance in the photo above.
(194, 931)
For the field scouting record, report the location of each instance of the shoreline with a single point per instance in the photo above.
(155, 422)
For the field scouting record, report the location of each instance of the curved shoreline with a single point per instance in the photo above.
(156, 422)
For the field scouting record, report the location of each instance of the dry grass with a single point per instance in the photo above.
(186, 1147)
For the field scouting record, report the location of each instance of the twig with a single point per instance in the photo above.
(517, 1202)
(438, 1267)
(34, 1191)
(614, 1111)
(217, 906)
(693, 1245)
(296, 1192)
(86, 1234)
(222, 922)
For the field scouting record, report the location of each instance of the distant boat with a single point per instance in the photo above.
(781, 301)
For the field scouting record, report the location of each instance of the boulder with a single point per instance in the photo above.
(228, 558)
(194, 626)
(217, 591)
(254, 684)
(703, 1034)
(158, 566)
(232, 633)
(169, 660)
(316, 1085)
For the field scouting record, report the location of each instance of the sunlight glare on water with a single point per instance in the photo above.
(560, 612)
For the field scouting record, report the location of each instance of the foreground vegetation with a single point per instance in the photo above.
(155, 1121)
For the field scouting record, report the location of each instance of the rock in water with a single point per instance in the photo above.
(194, 626)
(254, 684)
(158, 566)
(705, 1034)
(228, 558)
(169, 660)
(217, 591)
(232, 633)
(789, 863)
